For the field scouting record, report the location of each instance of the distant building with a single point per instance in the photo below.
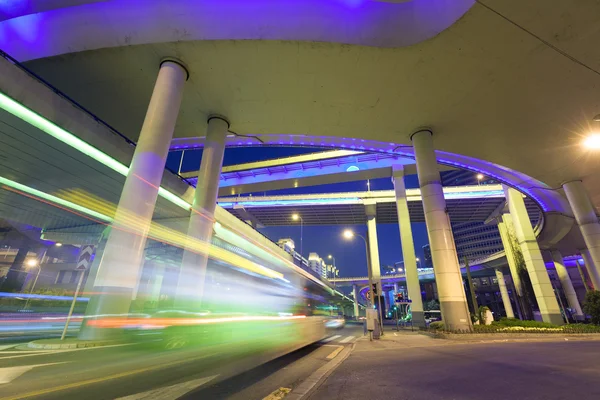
(476, 240)
(317, 265)
(427, 262)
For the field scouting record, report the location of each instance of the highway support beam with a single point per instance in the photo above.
(119, 267)
(506, 229)
(453, 301)
(585, 215)
(567, 285)
(534, 261)
(504, 294)
(356, 294)
(591, 268)
(408, 249)
(192, 274)
(373, 248)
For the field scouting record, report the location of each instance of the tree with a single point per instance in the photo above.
(591, 306)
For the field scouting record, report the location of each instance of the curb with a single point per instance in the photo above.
(466, 337)
(315, 380)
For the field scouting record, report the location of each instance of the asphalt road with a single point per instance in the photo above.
(135, 372)
(415, 367)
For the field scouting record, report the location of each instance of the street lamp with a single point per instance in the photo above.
(418, 260)
(32, 263)
(479, 178)
(297, 217)
(349, 234)
(592, 142)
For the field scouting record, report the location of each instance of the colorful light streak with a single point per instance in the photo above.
(32, 118)
(166, 322)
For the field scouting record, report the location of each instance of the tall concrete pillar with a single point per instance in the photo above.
(567, 285)
(355, 292)
(375, 272)
(536, 268)
(373, 248)
(453, 301)
(190, 287)
(585, 215)
(395, 288)
(408, 248)
(505, 227)
(15, 278)
(591, 268)
(123, 255)
(504, 293)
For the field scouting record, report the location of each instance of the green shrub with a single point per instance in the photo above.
(437, 326)
(591, 306)
(528, 324)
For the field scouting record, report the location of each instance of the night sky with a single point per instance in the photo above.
(350, 255)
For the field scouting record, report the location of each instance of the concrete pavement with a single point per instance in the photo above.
(412, 366)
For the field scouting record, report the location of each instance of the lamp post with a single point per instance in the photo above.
(479, 178)
(348, 234)
(297, 217)
(31, 263)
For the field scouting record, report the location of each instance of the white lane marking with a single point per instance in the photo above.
(334, 353)
(395, 334)
(278, 394)
(170, 392)
(346, 340)
(7, 375)
(43, 352)
(329, 339)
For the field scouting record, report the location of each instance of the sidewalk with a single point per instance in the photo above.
(413, 366)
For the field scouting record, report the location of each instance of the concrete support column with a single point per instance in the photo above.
(505, 226)
(373, 247)
(190, 287)
(504, 293)
(408, 249)
(536, 268)
(118, 270)
(567, 285)
(591, 268)
(453, 301)
(15, 278)
(585, 215)
(396, 288)
(356, 294)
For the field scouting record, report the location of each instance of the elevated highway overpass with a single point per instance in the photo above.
(312, 83)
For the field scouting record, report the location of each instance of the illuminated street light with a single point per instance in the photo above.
(58, 244)
(348, 234)
(32, 262)
(592, 142)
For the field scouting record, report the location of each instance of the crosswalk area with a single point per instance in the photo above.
(343, 339)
